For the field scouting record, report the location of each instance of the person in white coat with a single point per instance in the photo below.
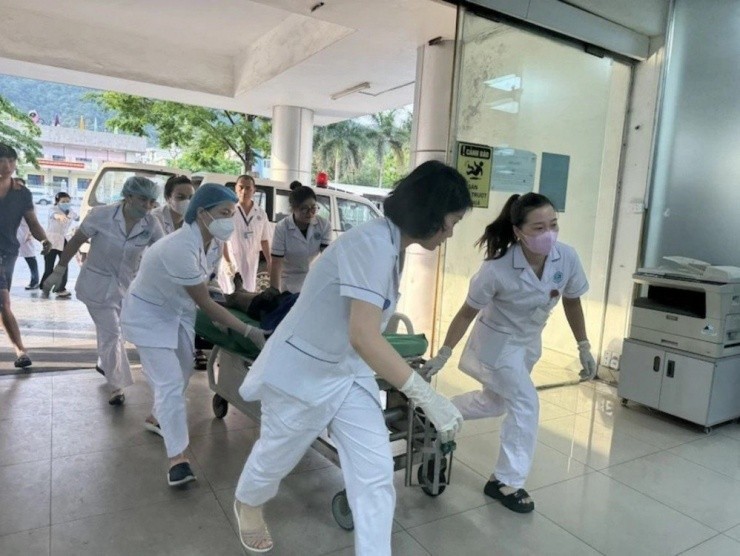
(298, 239)
(312, 377)
(159, 314)
(118, 234)
(525, 273)
(28, 250)
(251, 235)
(61, 217)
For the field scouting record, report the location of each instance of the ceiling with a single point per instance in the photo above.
(236, 54)
(249, 55)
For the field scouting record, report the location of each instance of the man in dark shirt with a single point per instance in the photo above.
(16, 202)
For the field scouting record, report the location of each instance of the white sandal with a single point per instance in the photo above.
(252, 539)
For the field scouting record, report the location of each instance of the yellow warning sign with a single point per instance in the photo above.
(475, 163)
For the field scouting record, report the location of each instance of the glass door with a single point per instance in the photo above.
(552, 116)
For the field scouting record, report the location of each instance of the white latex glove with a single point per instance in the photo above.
(255, 335)
(445, 416)
(54, 279)
(435, 364)
(587, 361)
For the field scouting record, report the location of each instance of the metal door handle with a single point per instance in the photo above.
(670, 369)
(656, 364)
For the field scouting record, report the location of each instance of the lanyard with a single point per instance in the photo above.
(247, 222)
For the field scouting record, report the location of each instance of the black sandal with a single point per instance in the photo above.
(512, 501)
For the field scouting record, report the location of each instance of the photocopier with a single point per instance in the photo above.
(682, 356)
(689, 305)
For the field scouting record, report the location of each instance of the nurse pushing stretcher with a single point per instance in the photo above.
(525, 274)
(310, 378)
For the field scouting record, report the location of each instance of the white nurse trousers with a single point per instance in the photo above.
(168, 372)
(509, 390)
(358, 430)
(112, 356)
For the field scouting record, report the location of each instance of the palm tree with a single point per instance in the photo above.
(385, 133)
(340, 145)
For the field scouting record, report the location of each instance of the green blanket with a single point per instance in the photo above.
(407, 345)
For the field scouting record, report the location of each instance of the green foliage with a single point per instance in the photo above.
(52, 99)
(210, 139)
(19, 131)
(356, 152)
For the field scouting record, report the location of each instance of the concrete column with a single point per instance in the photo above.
(292, 144)
(429, 135)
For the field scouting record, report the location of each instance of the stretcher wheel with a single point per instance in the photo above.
(220, 406)
(341, 511)
(426, 482)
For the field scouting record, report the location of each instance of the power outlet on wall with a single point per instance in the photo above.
(614, 362)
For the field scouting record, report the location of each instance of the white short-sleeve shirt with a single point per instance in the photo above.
(250, 229)
(59, 226)
(309, 356)
(298, 251)
(157, 302)
(511, 297)
(114, 256)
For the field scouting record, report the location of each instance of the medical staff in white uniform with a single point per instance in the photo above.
(61, 218)
(159, 314)
(525, 274)
(178, 190)
(251, 234)
(312, 377)
(118, 234)
(298, 239)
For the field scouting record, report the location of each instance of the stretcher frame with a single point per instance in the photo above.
(413, 438)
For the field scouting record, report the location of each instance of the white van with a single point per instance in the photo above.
(343, 210)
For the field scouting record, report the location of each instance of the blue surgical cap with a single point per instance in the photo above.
(140, 186)
(208, 196)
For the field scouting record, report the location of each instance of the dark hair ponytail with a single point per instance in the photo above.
(299, 194)
(499, 234)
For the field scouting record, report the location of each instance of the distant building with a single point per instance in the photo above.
(71, 157)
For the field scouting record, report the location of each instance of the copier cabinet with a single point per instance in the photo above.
(699, 389)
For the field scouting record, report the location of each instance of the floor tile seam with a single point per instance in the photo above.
(700, 543)
(662, 503)
(702, 465)
(657, 450)
(631, 435)
(119, 510)
(459, 461)
(589, 471)
(571, 533)
(98, 451)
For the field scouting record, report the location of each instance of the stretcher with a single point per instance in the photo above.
(413, 438)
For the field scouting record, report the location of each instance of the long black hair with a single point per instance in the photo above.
(420, 201)
(499, 234)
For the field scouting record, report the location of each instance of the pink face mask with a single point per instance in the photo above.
(540, 244)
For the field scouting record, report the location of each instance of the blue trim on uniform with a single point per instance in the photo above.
(308, 354)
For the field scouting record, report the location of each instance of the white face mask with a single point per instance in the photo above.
(180, 207)
(221, 228)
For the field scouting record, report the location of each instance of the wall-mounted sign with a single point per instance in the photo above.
(475, 163)
(513, 170)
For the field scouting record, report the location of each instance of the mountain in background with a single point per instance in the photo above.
(51, 99)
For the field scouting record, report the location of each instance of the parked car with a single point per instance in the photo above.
(43, 201)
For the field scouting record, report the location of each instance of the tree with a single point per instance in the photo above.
(340, 145)
(208, 137)
(387, 136)
(18, 131)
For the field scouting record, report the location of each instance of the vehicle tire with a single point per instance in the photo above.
(220, 406)
(430, 478)
(341, 511)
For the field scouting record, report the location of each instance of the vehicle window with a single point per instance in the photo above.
(282, 206)
(108, 188)
(352, 213)
(260, 198)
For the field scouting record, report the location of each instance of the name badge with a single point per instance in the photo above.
(247, 234)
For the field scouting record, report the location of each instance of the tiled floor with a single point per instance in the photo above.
(79, 477)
